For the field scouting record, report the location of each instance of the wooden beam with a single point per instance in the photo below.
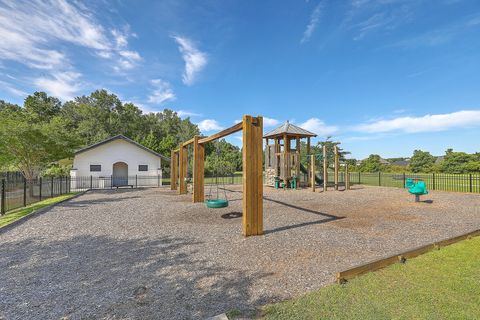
(252, 176)
(336, 166)
(343, 276)
(325, 171)
(297, 164)
(312, 171)
(308, 167)
(183, 169)
(347, 177)
(223, 133)
(186, 143)
(198, 171)
(173, 170)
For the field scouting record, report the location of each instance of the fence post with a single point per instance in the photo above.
(471, 183)
(66, 184)
(91, 182)
(60, 185)
(233, 178)
(359, 177)
(40, 192)
(136, 181)
(433, 180)
(51, 188)
(379, 178)
(24, 192)
(158, 181)
(111, 182)
(404, 180)
(2, 205)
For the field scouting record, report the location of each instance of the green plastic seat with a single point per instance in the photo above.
(420, 188)
(216, 203)
(409, 184)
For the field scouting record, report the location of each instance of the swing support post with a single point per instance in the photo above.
(183, 168)
(252, 128)
(198, 170)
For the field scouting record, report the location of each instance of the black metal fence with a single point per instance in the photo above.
(18, 192)
(469, 183)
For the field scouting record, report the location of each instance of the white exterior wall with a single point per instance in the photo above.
(112, 152)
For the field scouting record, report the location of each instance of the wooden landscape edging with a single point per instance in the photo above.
(343, 276)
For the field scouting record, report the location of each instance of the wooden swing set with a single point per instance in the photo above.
(252, 150)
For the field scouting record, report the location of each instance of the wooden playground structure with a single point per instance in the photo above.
(280, 160)
(283, 163)
(252, 128)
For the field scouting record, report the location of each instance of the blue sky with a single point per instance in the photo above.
(382, 76)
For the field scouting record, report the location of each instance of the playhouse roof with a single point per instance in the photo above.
(122, 137)
(290, 130)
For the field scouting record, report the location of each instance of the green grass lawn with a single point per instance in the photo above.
(14, 215)
(443, 284)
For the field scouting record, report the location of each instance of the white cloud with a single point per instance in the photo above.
(28, 30)
(269, 122)
(12, 89)
(62, 85)
(184, 113)
(427, 123)
(314, 20)
(37, 33)
(162, 92)
(318, 126)
(209, 125)
(195, 60)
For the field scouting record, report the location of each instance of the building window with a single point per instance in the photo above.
(143, 167)
(95, 168)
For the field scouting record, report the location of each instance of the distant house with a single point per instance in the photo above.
(439, 159)
(117, 161)
(401, 163)
(382, 161)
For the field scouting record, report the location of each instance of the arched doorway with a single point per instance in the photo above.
(120, 174)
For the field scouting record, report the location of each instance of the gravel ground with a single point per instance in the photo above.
(152, 254)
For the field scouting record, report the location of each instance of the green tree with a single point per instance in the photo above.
(42, 107)
(30, 146)
(457, 162)
(372, 164)
(421, 161)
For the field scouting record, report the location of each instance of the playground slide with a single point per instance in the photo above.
(318, 180)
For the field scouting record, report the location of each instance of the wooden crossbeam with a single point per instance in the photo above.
(186, 143)
(223, 133)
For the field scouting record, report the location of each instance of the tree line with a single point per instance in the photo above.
(424, 162)
(40, 137)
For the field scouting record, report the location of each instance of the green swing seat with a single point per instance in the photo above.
(217, 203)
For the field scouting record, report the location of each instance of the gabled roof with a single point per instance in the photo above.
(289, 129)
(122, 137)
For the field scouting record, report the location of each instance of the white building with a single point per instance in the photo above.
(115, 162)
